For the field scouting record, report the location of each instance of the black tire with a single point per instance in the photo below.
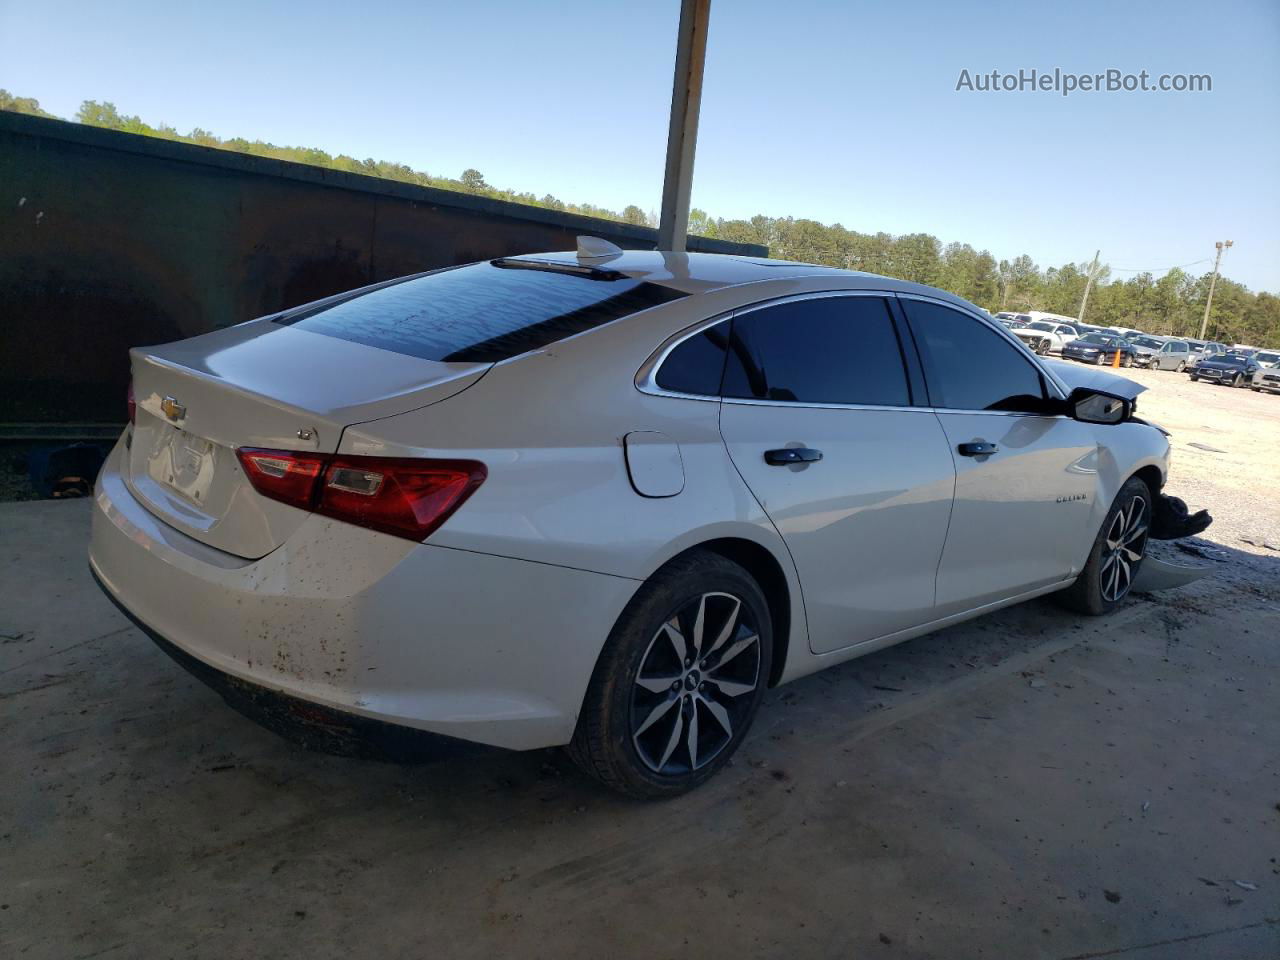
(1194, 378)
(617, 736)
(1128, 360)
(1092, 593)
(1256, 389)
(1238, 381)
(1097, 361)
(1181, 367)
(1043, 349)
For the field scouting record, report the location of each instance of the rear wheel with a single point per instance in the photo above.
(679, 681)
(1181, 367)
(1117, 553)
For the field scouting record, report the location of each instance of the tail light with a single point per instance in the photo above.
(405, 497)
(284, 475)
(131, 404)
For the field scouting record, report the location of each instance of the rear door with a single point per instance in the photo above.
(1025, 477)
(818, 418)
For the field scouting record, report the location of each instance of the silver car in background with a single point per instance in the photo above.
(1267, 377)
(1175, 355)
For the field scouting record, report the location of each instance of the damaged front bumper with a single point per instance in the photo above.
(1171, 520)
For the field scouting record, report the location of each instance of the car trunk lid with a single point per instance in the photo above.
(259, 384)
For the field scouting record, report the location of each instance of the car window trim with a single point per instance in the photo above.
(1047, 376)
(646, 376)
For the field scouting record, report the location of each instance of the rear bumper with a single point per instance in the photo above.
(311, 725)
(466, 645)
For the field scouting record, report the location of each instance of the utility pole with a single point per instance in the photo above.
(1093, 272)
(1221, 245)
(682, 136)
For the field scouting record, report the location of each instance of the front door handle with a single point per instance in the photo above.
(978, 448)
(789, 455)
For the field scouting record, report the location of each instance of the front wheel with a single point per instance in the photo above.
(1194, 378)
(679, 680)
(1117, 553)
(1238, 381)
(1181, 367)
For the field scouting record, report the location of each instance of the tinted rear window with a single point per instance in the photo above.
(483, 312)
(696, 365)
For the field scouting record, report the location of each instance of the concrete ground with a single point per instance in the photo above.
(1029, 785)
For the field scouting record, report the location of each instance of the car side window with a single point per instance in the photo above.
(841, 350)
(696, 365)
(969, 366)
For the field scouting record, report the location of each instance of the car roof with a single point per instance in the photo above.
(704, 272)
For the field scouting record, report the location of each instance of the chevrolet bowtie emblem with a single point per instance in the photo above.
(172, 409)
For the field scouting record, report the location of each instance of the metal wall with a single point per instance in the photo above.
(110, 240)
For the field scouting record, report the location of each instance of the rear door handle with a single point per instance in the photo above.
(978, 448)
(790, 455)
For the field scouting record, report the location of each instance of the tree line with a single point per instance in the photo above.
(1171, 304)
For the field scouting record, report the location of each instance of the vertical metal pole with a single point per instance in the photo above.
(1093, 272)
(682, 137)
(1208, 302)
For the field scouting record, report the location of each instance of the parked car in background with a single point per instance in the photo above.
(1147, 349)
(562, 498)
(1267, 358)
(1231, 368)
(1046, 336)
(1013, 320)
(1100, 348)
(1200, 349)
(1266, 379)
(1174, 355)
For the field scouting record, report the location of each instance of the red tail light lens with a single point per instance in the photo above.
(285, 475)
(400, 496)
(132, 404)
(404, 497)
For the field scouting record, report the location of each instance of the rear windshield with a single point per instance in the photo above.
(485, 312)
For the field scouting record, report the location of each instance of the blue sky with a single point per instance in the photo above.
(838, 111)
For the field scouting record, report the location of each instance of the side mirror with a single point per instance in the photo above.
(1093, 406)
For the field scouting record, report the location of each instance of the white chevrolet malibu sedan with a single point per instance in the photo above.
(603, 499)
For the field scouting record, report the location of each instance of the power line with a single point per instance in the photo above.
(1176, 266)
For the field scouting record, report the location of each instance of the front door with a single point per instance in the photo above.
(817, 418)
(1026, 475)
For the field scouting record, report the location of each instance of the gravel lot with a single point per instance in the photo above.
(1027, 785)
(1226, 454)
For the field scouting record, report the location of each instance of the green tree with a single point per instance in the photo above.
(472, 180)
(28, 105)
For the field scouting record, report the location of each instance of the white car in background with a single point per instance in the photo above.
(1267, 377)
(603, 499)
(1046, 336)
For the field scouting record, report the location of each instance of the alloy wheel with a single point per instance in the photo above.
(695, 685)
(1123, 549)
